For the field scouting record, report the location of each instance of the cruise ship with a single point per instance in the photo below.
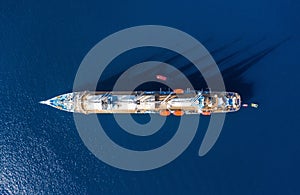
(177, 102)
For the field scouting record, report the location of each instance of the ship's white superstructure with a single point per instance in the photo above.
(177, 102)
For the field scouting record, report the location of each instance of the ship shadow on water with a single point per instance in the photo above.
(234, 75)
(233, 67)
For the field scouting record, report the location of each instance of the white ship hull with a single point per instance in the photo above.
(177, 102)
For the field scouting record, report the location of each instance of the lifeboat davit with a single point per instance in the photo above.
(164, 113)
(178, 91)
(178, 113)
(206, 113)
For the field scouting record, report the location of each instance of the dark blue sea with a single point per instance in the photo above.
(256, 45)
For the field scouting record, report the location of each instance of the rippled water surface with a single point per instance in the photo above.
(42, 45)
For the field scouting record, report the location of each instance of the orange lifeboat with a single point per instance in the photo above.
(178, 113)
(178, 91)
(164, 113)
(161, 77)
(206, 113)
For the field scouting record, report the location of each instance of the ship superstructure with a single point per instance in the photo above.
(177, 102)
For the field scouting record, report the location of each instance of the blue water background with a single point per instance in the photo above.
(41, 47)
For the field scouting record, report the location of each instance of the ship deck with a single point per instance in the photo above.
(155, 102)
